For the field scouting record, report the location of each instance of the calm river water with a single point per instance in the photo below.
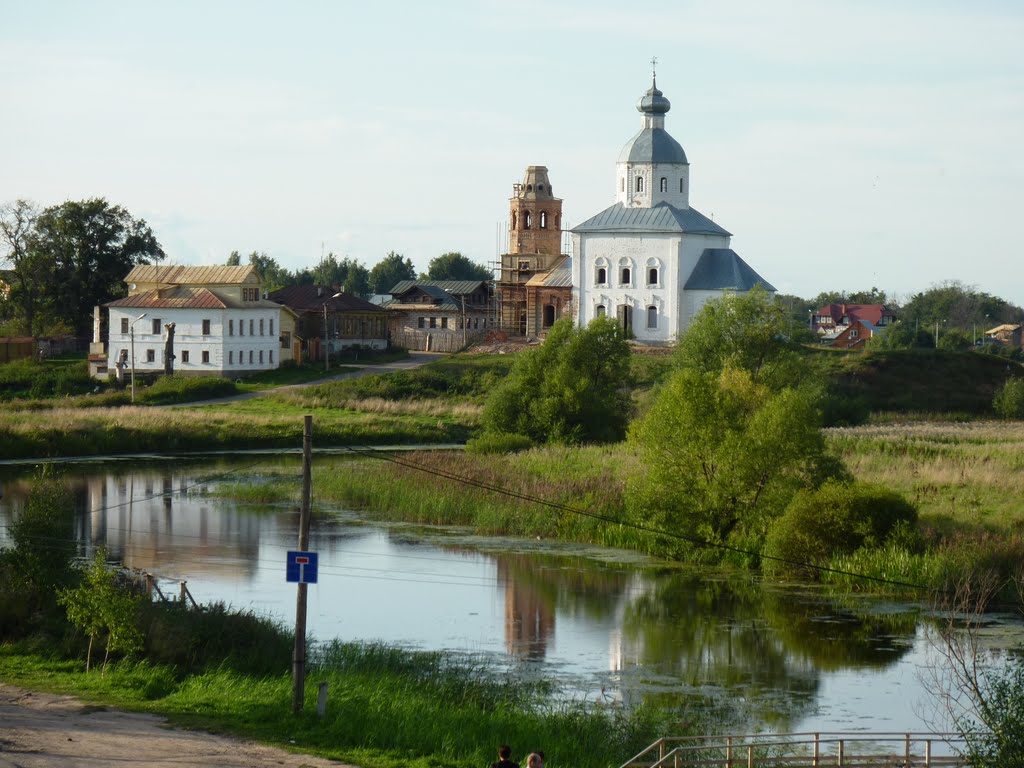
(609, 625)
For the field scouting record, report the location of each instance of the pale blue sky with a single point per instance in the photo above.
(843, 144)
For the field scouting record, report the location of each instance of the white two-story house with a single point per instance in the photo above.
(223, 326)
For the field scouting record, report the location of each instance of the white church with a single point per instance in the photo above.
(651, 260)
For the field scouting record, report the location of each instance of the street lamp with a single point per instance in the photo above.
(131, 333)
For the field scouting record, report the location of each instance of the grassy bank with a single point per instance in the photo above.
(965, 480)
(247, 424)
(386, 707)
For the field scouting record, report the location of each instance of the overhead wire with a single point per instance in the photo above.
(394, 458)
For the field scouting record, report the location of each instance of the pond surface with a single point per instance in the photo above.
(610, 626)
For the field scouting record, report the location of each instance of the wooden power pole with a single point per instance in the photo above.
(299, 654)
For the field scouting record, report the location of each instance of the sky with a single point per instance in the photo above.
(844, 144)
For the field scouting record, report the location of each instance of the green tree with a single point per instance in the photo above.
(734, 432)
(98, 606)
(273, 275)
(572, 389)
(746, 331)
(43, 538)
(234, 260)
(347, 274)
(455, 266)
(723, 454)
(28, 270)
(389, 271)
(90, 246)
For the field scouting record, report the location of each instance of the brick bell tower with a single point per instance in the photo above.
(535, 216)
(528, 305)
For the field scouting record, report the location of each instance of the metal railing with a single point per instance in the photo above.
(804, 750)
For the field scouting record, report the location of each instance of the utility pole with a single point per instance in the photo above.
(327, 347)
(299, 654)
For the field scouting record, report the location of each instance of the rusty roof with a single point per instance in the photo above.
(188, 275)
(175, 298)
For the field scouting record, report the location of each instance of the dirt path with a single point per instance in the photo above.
(43, 730)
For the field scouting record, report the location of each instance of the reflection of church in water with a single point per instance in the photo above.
(529, 617)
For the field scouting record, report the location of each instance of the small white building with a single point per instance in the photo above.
(651, 260)
(222, 324)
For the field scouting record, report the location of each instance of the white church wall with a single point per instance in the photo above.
(638, 254)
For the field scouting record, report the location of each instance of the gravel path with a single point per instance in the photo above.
(44, 730)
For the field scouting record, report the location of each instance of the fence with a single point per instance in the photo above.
(804, 750)
(436, 341)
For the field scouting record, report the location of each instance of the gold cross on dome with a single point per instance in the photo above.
(654, 66)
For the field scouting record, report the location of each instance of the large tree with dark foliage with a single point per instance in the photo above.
(390, 270)
(81, 251)
(455, 266)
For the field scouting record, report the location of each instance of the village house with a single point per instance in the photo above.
(651, 260)
(222, 325)
(439, 315)
(329, 321)
(1008, 334)
(830, 318)
(851, 335)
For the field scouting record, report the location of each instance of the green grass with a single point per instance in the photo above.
(914, 381)
(386, 707)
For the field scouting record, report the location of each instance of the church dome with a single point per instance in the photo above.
(653, 102)
(653, 144)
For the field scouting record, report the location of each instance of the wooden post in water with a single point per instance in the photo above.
(299, 653)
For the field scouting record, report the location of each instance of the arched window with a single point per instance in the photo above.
(543, 219)
(639, 183)
(626, 274)
(602, 276)
(664, 184)
(652, 276)
(599, 311)
(526, 220)
(558, 220)
(529, 187)
(540, 187)
(680, 185)
(652, 317)
(513, 220)
(622, 184)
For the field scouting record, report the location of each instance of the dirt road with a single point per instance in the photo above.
(43, 730)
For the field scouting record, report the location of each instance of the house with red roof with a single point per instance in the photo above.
(833, 317)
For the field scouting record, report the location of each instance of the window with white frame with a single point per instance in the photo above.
(652, 317)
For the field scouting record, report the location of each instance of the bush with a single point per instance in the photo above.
(570, 390)
(838, 518)
(1009, 400)
(496, 442)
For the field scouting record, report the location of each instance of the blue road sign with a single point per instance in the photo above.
(301, 567)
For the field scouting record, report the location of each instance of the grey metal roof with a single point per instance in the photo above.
(653, 145)
(660, 218)
(722, 269)
(454, 287)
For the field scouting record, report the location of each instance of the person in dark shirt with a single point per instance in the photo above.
(504, 751)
